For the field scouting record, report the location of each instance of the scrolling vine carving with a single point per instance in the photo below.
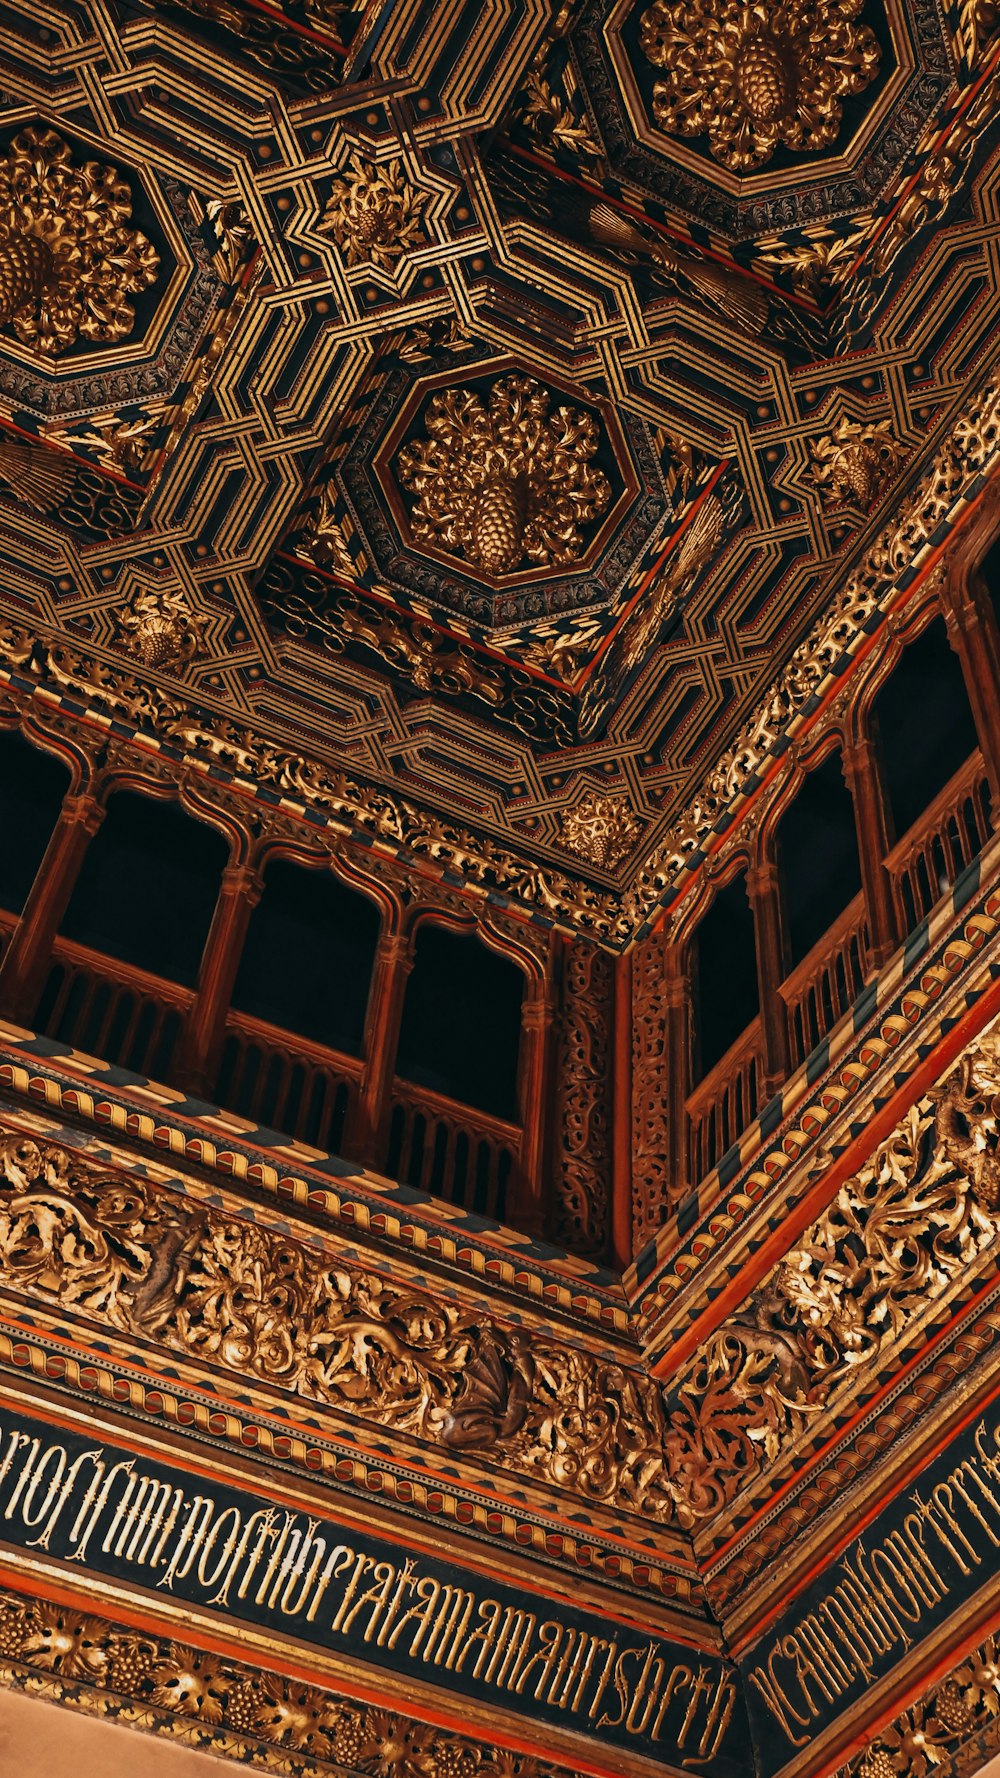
(241, 1712)
(911, 1222)
(584, 1177)
(263, 1305)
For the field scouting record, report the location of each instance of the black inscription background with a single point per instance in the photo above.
(964, 1573)
(729, 1761)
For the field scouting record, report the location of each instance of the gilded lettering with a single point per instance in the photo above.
(154, 1502)
(41, 1542)
(27, 1509)
(420, 1615)
(956, 1480)
(550, 1636)
(489, 1613)
(700, 1689)
(678, 1680)
(514, 1633)
(264, 1520)
(778, 1701)
(446, 1644)
(190, 1540)
(94, 1502)
(805, 1670)
(232, 1535)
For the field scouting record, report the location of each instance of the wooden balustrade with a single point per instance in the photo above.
(924, 864)
(112, 1010)
(724, 1102)
(287, 1083)
(450, 1151)
(827, 981)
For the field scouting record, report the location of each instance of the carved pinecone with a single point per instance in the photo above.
(862, 471)
(374, 223)
(155, 643)
(766, 77)
(498, 525)
(26, 266)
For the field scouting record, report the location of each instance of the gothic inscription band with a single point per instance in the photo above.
(232, 1552)
(926, 1557)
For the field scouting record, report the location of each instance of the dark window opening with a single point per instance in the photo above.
(32, 786)
(308, 959)
(723, 976)
(817, 858)
(990, 572)
(462, 1022)
(924, 724)
(148, 888)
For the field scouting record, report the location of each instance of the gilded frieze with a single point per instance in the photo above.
(261, 1305)
(920, 1216)
(951, 1730)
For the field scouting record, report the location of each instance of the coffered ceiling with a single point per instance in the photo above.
(476, 412)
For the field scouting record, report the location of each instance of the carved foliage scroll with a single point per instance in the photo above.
(239, 1712)
(650, 1092)
(900, 1232)
(585, 1065)
(260, 1304)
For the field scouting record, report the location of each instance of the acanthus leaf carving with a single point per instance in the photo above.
(899, 1233)
(261, 1304)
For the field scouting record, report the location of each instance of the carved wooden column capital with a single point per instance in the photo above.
(971, 624)
(83, 810)
(368, 1126)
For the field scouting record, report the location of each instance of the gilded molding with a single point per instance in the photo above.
(226, 1707)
